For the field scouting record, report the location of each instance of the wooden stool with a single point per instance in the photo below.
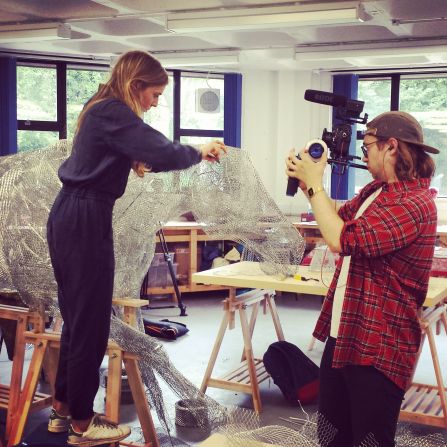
(427, 404)
(46, 341)
(10, 395)
(251, 372)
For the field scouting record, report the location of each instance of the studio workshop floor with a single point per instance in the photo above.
(190, 354)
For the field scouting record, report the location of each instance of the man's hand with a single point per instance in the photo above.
(308, 171)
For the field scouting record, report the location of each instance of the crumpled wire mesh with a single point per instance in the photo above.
(227, 198)
(413, 435)
(316, 431)
(407, 437)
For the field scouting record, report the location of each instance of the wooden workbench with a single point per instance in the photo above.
(188, 235)
(250, 275)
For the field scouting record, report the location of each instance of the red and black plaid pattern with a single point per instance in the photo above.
(392, 247)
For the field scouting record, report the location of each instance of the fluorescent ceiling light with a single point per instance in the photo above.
(261, 18)
(194, 60)
(19, 34)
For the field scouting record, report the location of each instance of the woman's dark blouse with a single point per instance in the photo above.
(110, 138)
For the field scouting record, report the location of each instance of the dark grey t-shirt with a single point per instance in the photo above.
(110, 138)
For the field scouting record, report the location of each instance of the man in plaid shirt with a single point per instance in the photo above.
(369, 318)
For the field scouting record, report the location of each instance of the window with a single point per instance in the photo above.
(194, 140)
(28, 140)
(426, 99)
(201, 108)
(36, 93)
(376, 94)
(82, 84)
(197, 115)
(422, 95)
(51, 94)
(36, 106)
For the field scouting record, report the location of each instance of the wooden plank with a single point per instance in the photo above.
(129, 302)
(419, 398)
(250, 361)
(258, 367)
(227, 385)
(430, 398)
(15, 386)
(214, 353)
(438, 373)
(29, 389)
(113, 389)
(141, 404)
(184, 288)
(270, 299)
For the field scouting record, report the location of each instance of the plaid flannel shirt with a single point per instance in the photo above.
(391, 247)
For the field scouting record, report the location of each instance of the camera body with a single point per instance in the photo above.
(338, 141)
(347, 113)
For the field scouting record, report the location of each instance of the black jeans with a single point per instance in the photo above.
(359, 401)
(80, 241)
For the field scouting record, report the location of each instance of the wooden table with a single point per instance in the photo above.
(249, 275)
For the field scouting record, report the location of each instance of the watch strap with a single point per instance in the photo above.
(312, 191)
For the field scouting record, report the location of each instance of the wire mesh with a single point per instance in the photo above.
(227, 198)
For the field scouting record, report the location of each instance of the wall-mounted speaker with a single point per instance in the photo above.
(208, 100)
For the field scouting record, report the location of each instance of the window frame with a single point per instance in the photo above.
(396, 78)
(60, 125)
(185, 132)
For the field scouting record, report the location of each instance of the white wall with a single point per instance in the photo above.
(276, 118)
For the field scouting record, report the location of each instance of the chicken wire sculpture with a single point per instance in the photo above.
(227, 197)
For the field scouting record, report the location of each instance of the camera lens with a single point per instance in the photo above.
(316, 150)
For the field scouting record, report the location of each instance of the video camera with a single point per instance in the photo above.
(337, 141)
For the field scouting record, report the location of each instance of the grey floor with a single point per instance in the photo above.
(190, 354)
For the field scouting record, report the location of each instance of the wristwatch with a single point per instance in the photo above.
(312, 191)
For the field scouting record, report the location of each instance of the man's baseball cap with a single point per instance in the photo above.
(399, 125)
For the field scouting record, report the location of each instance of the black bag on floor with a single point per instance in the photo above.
(296, 375)
(164, 328)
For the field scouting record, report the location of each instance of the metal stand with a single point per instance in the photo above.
(168, 259)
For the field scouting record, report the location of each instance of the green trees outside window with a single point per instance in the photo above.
(425, 97)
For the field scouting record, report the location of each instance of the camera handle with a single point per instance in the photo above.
(316, 148)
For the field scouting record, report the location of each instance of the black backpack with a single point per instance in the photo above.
(296, 375)
(164, 328)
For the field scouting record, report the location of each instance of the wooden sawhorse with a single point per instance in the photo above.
(10, 395)
(251, 372)
(427, 404)
(47, 341)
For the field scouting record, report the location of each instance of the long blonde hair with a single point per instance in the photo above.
(133, 72)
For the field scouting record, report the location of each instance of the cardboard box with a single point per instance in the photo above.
(159, 275)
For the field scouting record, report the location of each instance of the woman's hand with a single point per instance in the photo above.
(213, 150)
(305, 169)
(140, 168)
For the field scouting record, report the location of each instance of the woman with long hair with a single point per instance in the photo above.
(111, 138)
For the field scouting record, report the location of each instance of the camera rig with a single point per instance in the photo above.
(347, 111)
